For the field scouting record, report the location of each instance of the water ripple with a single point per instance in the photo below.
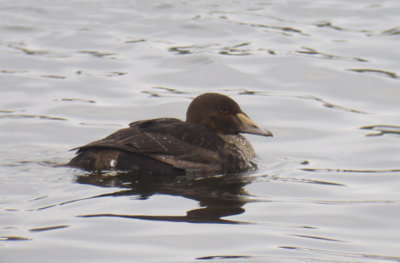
(333, 170)
(31, 116)
(389, 74)
(344, 254)
(380, 130)
(14, 238)
(314, 52)
(48, 228)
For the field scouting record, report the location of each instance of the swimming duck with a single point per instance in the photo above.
(209, 141)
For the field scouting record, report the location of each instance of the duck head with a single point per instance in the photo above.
(222, 115)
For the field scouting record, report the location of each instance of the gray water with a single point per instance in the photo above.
(323, 76)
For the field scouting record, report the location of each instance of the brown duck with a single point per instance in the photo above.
(209, 141)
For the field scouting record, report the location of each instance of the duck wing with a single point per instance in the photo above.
(181, 144)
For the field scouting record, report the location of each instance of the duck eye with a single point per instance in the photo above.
(224, 110)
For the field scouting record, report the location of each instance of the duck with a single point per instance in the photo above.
(209, 141)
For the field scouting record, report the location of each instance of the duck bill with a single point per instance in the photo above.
(250, 127)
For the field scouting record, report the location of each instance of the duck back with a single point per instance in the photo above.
(160, 146)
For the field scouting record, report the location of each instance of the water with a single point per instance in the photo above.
(323, 76)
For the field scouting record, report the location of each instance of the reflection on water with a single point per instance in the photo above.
(379, 130)
(357, 256)
(29, 116)
(315, 53)
(162, 91)
(13, 238)
(218, 196)
(378, 71)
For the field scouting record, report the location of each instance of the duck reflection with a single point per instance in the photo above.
(218, 196)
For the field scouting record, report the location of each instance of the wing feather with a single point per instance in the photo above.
(172, 141)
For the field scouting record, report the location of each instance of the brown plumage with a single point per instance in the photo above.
(208, 142)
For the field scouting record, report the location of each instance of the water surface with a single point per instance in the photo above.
(323, 76)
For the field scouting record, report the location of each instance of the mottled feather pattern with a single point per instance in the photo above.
(207, 142)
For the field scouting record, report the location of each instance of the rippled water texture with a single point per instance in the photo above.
(323, 76)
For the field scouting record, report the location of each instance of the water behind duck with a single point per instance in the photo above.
(322, 76)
